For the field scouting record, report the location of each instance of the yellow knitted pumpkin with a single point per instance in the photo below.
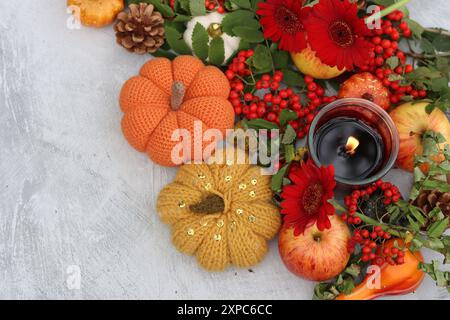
(221, 213)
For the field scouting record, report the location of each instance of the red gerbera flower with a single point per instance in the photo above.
(337, 34)
(305, 201)
(282, 21)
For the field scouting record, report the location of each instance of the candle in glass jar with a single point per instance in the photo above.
(351, 146)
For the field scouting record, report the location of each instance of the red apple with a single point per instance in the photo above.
(412, 122)
(316, 255)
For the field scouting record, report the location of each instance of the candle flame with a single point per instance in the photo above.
(352, 144)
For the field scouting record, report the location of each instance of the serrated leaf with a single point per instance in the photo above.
(289, 136)
(163, 8)
(277, 179)
(200, 39)
(292, 78)
(234, 19)
(262, 59)
(438, 228)
(442, 43)
(182, 18)
(175, 40)
(216, 52)
(249, 34)
(416, 28)
(197, 7)
(393, 62)
(427, 46)
(417, 215)
(261, 124)
(287, 115)
(280, 59)
(245, 4)
(289, 152)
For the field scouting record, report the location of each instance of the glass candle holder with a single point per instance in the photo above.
(357, 137)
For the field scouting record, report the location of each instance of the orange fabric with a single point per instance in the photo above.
(149, 121)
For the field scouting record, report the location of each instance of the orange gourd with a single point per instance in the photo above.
(97, 13)
(170, 95)
(395, 280)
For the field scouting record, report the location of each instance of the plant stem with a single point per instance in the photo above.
(428, 56)
(387, 11)
(438, 31)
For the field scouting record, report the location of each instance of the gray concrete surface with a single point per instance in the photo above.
(75, 197)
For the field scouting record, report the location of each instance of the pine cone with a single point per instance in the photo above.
(141, 29)
(428, 200)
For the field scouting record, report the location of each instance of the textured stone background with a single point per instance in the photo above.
(72, 192)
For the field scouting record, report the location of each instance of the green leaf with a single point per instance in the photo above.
(280, 59)
(393, 62)
(277, 179)
(163, 8)
(439, 84)
(287, 115)
(289, 135)
(245, 4)
(418, 215)
(442, 43)
(175, 40)
(216, 52)
(200, 41)
(262, 59)
(427, 46)
(441, 186)
(261, 124)
(249, 34)
(182, 18)
(234, 19)
(289, 152)
(197, 7)
(255, 3)
(292, 78)
(416, 28)
(438, 228)
(413, 224)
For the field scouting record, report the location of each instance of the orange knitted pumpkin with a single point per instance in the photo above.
(167, 96)
(97, 13)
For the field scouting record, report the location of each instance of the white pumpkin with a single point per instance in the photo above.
(231, 44)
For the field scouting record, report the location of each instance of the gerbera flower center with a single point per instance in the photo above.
(312, 198)
(288, 21)
(342, 34)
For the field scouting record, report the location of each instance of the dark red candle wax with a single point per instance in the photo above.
(332, 147)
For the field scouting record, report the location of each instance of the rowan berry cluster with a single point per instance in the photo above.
(370, 239)
(212, 5)
(265, 97)
(386, 45)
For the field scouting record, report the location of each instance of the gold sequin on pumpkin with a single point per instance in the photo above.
(242, 186)
(239, 211)
(217, 237)
(203, 223)
(220, 223)
(252, 194)
(181, 204)
(251, 218)
(190, 232)
(254, 182)
(228, 178)
(207, 186)
(201, 176)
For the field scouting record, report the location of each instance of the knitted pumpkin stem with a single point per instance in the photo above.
(211, 204)
(178, 92)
